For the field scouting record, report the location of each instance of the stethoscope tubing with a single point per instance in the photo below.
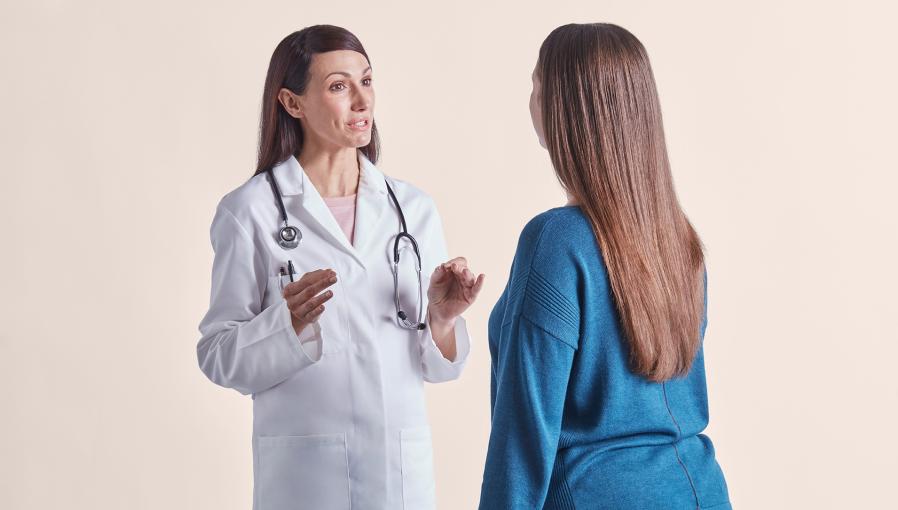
(289, 237)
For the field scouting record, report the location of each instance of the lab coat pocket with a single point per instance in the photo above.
(417, 469)
(328, 334)
(303, 472)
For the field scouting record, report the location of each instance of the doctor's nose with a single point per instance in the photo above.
(362, 101)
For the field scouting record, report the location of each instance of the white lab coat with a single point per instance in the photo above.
(339, 418)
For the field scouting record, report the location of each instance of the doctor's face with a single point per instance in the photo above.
(337, 107)
(536, 111)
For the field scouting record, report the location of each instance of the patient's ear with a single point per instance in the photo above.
(536, 108)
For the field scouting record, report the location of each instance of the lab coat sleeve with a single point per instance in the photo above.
(436, 367)
(243, 346)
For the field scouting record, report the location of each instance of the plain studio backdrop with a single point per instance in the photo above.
(123, 124)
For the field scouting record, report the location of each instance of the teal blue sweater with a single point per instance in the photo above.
(572, 426)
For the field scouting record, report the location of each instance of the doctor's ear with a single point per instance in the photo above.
(290, 102)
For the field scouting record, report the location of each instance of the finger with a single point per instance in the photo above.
(461, 275)
(298, 301)
(459, 261)
(439, 274)
(319, 300)
(478, 285)
(311, 316)
(469, 277)
(314, 288)
(314, 314)
(319, 276)
(301, 309)
(313, 275)
(314, 278)
(295, 287)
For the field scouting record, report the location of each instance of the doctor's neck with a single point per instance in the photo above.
(334, 171)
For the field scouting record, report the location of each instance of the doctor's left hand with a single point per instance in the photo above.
(453, 288)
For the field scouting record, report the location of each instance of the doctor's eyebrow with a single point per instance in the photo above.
(344, 73)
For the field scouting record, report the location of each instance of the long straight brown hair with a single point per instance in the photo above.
(280, 135)
(603, 130)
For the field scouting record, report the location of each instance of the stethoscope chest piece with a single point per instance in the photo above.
(289, 237)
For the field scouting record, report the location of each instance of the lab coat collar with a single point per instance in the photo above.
(292, 178)
(370, 203)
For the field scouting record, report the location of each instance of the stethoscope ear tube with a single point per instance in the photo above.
(400, 314)
(414, 247)
(276, 190)
(403, 317)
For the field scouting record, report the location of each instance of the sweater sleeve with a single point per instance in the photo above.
(530, 384)
(536, 343)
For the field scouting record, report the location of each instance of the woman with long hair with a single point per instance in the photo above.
(598, 382)
(318, 306)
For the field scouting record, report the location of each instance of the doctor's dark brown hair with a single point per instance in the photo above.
(280, 135)
(603, 130)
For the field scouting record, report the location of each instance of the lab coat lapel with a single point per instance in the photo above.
(370, 205)
(293, 180)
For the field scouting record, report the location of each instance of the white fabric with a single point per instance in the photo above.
(339, 418)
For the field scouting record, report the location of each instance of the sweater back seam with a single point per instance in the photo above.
(677, 450)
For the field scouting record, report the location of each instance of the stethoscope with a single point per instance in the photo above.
(289, 237)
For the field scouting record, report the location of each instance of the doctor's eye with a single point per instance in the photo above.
(337, 86)
(366, 82)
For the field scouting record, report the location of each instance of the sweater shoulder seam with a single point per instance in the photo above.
(542, 328)
(568, 310)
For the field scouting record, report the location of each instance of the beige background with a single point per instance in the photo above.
(122, 126)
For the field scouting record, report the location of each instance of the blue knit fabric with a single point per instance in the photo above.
(572, 426)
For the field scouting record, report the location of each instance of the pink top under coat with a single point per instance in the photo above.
(343, 209)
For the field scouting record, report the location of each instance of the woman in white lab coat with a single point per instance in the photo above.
(310, 312)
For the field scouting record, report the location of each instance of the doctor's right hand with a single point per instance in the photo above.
(305, 298)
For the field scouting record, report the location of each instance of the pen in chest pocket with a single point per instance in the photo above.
(286, 272)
